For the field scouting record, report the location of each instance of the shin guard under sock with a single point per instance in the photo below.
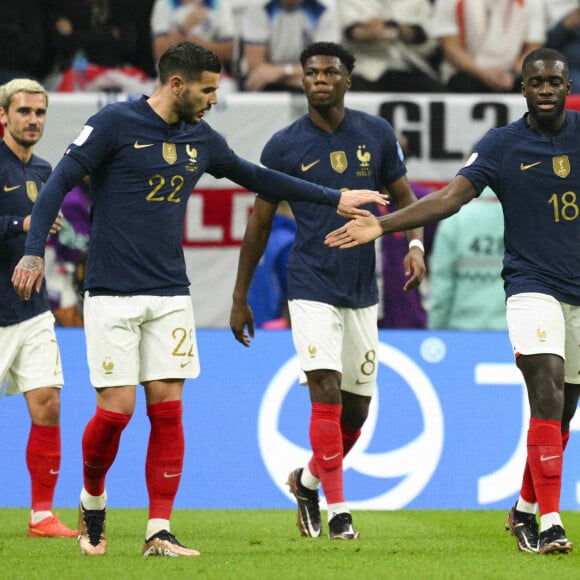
(165, 453)
(100, 445)
(545, 462)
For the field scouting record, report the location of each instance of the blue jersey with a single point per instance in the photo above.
(537, 179)
(363, 153)
(142, 172)
(20, 184)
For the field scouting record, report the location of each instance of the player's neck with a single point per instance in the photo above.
(23, 152)
(162, 107)
(553, 128)
(327, 119)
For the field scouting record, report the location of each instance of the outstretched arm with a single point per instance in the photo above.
(431, 208)
(280, 186)
(253, 247)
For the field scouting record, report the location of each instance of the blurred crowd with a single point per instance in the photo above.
(400, 45)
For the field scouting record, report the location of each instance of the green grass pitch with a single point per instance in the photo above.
(265, 544)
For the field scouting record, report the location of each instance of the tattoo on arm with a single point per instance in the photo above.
(32, 263)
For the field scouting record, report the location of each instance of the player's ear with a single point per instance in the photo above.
(176, 84)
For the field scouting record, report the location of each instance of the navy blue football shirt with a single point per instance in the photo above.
(142, 172)
(20, 184)
(537, 179)
(363, 153)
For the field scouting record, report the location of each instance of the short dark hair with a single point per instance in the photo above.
(187, 59)
(545, 53)
(328, 49)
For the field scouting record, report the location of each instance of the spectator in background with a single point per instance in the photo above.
(465, 286)
(111, 37)
(274, 33)
(269, 290)
(563, 34)
(209, 23)
(70, 246)
(484, 42)
(401, 307)
(392, 45)
(22, 40)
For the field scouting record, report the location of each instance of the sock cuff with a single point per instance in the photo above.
(326, 411)
(349, 431)
(44, 437)
(112, 416)
(545, 432)
(165, 409)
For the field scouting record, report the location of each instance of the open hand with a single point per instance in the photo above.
(360, 230)
(352, 199)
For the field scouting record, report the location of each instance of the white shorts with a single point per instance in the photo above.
(29, 355)
(135, 339)
(339, 339)
(540, 324)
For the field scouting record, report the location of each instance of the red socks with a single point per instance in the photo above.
(349, 438)
(326, 442)
(43, 461)
(527, 492)
(100, 445)
(545, 450)
(164, 457)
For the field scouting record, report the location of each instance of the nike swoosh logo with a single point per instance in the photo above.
(363, 382)
(309, 166)
(548, 457)
(169, 475)
(523, 166)
(184, 364)
(138, 145)
(54, 472)
(8, 188)
(87, 464)
(331, 457)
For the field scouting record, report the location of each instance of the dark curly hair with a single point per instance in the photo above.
(328, 49)
(189, 60)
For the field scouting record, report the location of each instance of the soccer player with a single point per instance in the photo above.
(144, 158)
(29, 356)
(332, 295)
(533, 166)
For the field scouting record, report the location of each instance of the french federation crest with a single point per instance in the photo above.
(561, 166)
(192, 161)
(170, 153)
(338, 161)
(31, 191)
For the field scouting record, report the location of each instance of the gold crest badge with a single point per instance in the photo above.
(108, 365)
(541, 334)
(338, 161)
(363, 156)
(561, 165)
(192, 161)
(170, 153)
(31, 191)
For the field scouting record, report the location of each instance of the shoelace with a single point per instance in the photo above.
(94, 520)
(168, 537)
